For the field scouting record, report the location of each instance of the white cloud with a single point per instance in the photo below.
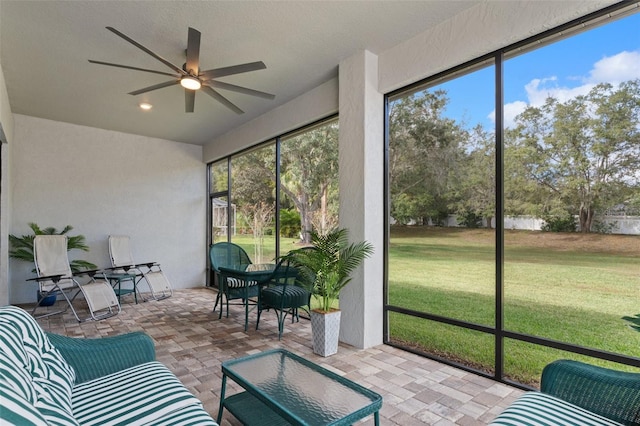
(538, 91)
(511, 110)
(610, 69)
(616, 69)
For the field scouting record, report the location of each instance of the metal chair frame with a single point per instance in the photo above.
(122, 262)
(55, 278)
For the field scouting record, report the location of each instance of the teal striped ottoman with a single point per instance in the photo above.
(540, 409)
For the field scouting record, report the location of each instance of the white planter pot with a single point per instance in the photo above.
(325, 329)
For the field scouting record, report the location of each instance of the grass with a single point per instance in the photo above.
(581, 290)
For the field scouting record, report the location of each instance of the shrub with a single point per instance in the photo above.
(469, 219)
(602, 227)
(289, 223)
(566, 223)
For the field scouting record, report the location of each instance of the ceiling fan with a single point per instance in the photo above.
(191, 77)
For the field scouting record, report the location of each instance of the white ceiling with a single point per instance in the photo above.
(45, 47)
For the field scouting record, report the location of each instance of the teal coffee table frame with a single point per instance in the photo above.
(282, 388)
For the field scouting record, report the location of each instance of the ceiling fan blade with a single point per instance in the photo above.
(193, 51)
(235, 69)
(239, 89)
(155, 86)
(133, 68)
(144, 49)
(218, 97)
(189, 100)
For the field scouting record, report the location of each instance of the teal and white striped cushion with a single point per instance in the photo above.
(15, 410)
(22, 402)
(238, 283)
(539, 409)
(193, 415)
(50, 376)
(138, 395)
(13, 361)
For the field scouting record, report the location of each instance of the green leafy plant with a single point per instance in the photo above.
(559, 223)
(326, 267)
(22, 247)
(469, 219)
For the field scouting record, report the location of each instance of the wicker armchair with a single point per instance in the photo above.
(93, 358)
(609, 393)
(284, 295)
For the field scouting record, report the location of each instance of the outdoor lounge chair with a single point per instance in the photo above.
(55, 278)
(122, 263)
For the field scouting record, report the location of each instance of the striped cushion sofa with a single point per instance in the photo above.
(575, 393)
(48, 379)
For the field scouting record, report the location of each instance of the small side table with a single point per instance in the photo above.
(116, 281)
(282, 388)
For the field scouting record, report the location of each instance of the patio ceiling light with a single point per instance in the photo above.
(189, 82)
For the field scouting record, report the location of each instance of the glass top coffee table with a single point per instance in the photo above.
(282, 388)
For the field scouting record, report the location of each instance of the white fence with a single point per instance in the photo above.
(627, 225)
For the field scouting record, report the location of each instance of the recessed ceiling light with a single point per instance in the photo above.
(146, 106)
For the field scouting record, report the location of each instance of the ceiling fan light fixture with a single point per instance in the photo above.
(189, 82)
(146, 106)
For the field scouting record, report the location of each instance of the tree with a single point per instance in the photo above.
(425, 149)
(581, 155)
(253, 192)
(476, 190)
(309, 177)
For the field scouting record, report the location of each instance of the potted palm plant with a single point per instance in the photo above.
(326, 269)
(22, 249)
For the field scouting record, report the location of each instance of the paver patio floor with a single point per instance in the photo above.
(192, 342)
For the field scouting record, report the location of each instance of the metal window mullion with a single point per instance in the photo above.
(229, 204)
(387, 230)
(499, 218)
(277, 230)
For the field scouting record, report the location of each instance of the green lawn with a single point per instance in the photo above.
(556, 289)
(567, 287)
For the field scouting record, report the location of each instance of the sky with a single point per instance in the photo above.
(565, 69)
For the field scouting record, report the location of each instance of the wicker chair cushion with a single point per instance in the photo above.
(285, 296)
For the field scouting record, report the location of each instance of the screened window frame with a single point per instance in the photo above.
(497, 59)
(277, 140)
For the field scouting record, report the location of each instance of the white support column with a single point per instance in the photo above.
(361, 159)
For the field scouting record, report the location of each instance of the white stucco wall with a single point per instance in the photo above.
(314, 105)
(6, 135)
(361, 195)
(475, 32)
(103, 182)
